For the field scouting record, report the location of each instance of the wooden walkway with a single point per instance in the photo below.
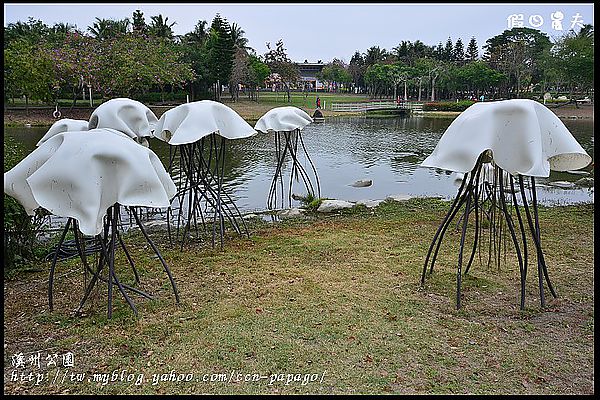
(376, 105)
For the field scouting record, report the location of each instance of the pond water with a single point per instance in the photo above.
(387, 151)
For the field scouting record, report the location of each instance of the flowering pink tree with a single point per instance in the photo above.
(120, 66)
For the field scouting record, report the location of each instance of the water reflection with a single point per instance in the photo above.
(345, 149)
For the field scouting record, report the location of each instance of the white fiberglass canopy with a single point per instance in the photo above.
(124, 115)
(283, 119)
(82, 174)
(190, 122)
(524, 137)
(64, 125)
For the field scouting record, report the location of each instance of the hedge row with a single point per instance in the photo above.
(447, 105)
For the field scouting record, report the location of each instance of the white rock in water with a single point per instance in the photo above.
(332, 205)
(362, 183)
(579, 172)
(291, 213)
(399, 197)
(250, 216)
(562, 184)
(369, 203)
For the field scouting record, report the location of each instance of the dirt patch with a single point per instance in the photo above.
(584, 111)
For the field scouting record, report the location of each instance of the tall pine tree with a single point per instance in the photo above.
(472, 50)
(221, 52)
(449, 50)
(459, 52)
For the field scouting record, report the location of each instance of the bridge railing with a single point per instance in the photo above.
(376, 105)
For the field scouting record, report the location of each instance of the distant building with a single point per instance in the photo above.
(308, 74)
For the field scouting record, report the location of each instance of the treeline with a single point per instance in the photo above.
(520, 62)
(147, 61)
(128, 57)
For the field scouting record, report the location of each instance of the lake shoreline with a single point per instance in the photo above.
(250, 111)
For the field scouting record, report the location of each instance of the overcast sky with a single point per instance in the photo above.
(322, 31)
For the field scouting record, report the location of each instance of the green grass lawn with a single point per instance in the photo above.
(337, 299)
(299, 99)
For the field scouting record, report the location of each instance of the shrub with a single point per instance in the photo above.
(155, 97)
(20, 229)
(310, 202)
(447, 105)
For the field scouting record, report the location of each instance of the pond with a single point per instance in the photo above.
(387, 151)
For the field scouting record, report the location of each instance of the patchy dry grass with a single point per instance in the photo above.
(337, 297)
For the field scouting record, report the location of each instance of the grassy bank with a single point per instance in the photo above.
(337, 297)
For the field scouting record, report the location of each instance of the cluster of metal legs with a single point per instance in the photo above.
(106, 245)
(490, 194)
(201, 198)
(287, 143)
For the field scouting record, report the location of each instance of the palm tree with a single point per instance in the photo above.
(64, 28)
(374, 55)
(108, 28)
(237, 34)
(160, 28)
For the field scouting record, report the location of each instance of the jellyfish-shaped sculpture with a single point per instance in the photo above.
(64, 125)
(198, 131)
(125, 115)
(495, 144)
(86, 176)
(287, 124)
(132, 118)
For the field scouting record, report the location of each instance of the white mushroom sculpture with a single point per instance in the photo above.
(287, 124)
(521, 140)
(86, 176)
(64, 125)
(195, 129)
(125, 115)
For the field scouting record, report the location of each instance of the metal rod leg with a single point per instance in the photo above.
(53, 266)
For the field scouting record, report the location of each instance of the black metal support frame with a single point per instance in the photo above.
(487, 198)
(286, 143)
(200, 191)
(107, 242)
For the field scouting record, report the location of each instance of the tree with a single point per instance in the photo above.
(32, 31)
(239, 73)
(237, 35)
(479, 77)
(195, 53)
(448, 51)
(28, 71)
(258, 72)
(517, 52)
(279, 63)
(431, 69)
(159, 27)
(472, 50)
(336, 72)
(376, 79)
(438, 53)
(375, 55)
(575, 55)
(121, 66)
(139, 23)
(109, 28)
(220, 49)
(459, 52)
(357, 69)
(401, 52)
(407, 52)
